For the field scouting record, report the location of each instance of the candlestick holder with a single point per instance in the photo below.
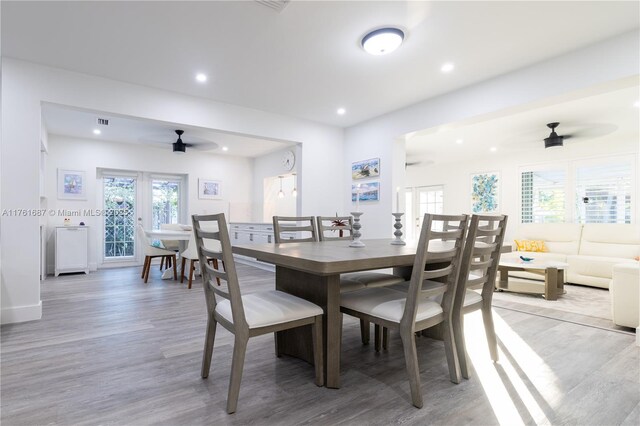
(398, 232)
(356, 230)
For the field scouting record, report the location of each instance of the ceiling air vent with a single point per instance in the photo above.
(103, 122)
(277, 5)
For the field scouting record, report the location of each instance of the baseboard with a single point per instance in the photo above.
(21, 314)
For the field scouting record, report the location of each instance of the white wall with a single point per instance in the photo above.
(610, 60)
(26, 85)
(268, 166)
(456, 177)
(90, 155)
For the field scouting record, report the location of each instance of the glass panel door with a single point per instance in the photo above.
(119, 217)
(165, 202)
(429, 199)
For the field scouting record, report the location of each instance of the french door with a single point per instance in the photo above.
(132, 198)
(420, 201)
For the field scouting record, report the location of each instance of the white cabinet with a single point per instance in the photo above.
(72, 246)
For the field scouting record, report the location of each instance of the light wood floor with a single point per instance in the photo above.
(112, 350)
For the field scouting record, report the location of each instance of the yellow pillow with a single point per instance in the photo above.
(531, 245)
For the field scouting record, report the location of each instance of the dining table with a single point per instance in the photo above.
(311, 270)
(182, 237)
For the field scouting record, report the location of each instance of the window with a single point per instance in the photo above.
(582, 191)
(603, 193)
(543, 196)
(165, 202)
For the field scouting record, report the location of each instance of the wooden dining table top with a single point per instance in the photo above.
(336, 257)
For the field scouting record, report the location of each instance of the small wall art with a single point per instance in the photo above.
(209, 189)
(485, 192)
(365, 169)
(369, 191)
(72, 184)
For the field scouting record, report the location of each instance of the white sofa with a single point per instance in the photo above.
(625, 294)
(591, 250)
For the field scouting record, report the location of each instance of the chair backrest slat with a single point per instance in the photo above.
(294, 224)
(448, 274)
(480, 258)
(328, 230)
(205, 237)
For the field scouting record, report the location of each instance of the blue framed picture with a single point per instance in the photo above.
(485, 192)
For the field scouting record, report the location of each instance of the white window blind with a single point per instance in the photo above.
(543, 196)
(603, 193)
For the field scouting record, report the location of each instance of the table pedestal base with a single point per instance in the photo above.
(324, 291)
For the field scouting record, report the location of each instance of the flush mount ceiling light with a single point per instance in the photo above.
(225, 148)
(341, 111)
(201, 78)
(97, 131)
(382, 41)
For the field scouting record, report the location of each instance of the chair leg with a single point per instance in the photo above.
(144, 266)
(209, 339)
(175, 269)
(365, 331)
(147, 269)
(161, 262)
(461, 348)
(184, 260)
(169, 263)
(385, 338)
(318, 358)
(239, 350)
(411, 361)
(377, 333)
(191, 269)
(450, 351)
(215, 265)
(490, 331)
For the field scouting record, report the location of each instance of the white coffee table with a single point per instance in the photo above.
(552, 271)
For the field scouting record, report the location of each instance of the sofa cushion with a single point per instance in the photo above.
(624, 294)
(611, 240)
(561, 238)
(593, 266)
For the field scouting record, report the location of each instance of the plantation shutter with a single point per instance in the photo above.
(603, 193)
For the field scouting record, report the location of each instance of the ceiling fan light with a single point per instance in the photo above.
(554, 142)
(179, 148)
(382, 41)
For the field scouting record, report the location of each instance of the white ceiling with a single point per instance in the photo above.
(155, 134)
(611, 117)
(306, 60)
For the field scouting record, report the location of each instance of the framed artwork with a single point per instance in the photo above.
(365, 169)
(72, 184)
(209, 189)
(369, 191)
(485, 192)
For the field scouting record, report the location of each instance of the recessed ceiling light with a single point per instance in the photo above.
(341, 111)
(97, 131)
(382, 41)
(200, 77)
(493, 149)
(225, 148)
(459, 141)
(637, 104)
(447, 67)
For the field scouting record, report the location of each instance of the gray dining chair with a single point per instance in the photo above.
(248, 315)
(417, 310)
(300, 229)
(478, 271)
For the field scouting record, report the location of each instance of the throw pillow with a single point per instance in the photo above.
(536, 246)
